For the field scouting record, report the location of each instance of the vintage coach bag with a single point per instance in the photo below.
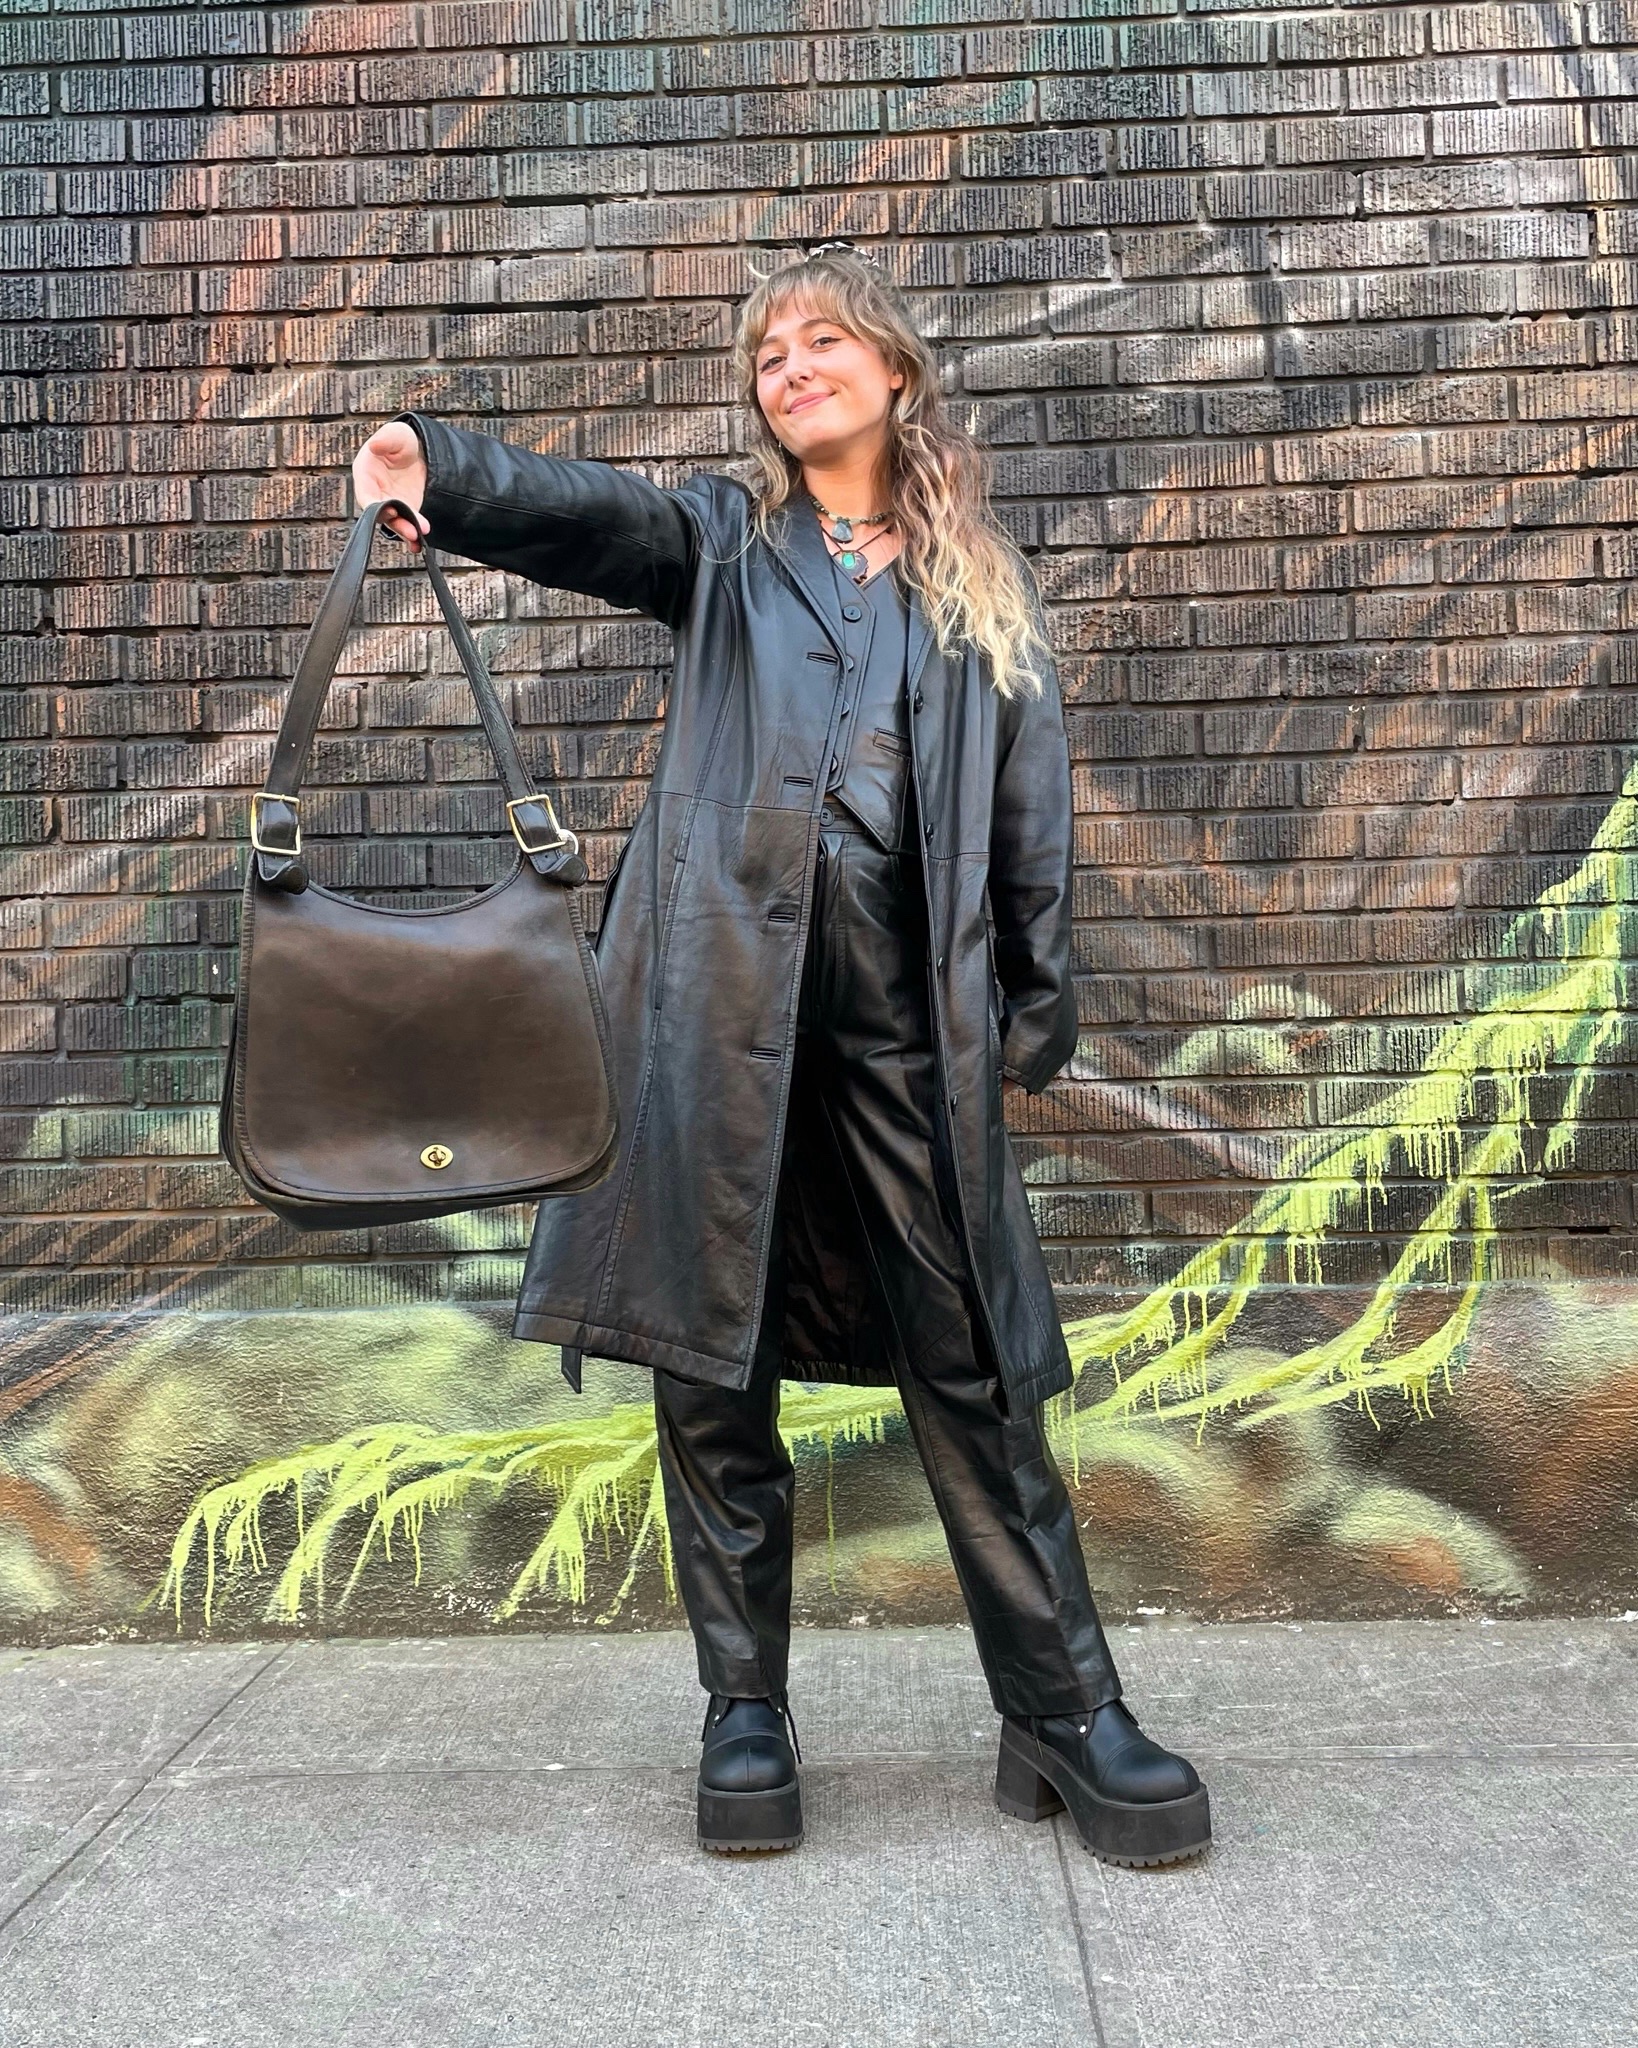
(394, 1064)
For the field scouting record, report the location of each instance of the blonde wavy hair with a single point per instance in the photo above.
(975, 586)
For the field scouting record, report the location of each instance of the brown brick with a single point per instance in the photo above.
(1302, 345)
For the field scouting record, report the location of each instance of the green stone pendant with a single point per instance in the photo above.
(849, 560)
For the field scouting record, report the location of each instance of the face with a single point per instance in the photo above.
(825, 393)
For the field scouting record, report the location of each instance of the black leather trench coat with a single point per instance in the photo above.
(665, 1262)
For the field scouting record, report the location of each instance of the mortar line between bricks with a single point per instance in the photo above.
(91, 1830)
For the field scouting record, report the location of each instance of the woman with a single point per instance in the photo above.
(863, 771)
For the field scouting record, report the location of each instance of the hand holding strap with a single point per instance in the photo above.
(275, 811)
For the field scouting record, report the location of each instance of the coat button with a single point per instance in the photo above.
(941, 961)
(846, 708)
(851, 612)
(918, 700)
(929, 832)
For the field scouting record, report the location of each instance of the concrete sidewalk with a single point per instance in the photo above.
(1426, 1834)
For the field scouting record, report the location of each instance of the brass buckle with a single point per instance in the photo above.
(264, 796)
(564, 836)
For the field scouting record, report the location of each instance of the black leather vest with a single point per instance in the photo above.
(870, 770)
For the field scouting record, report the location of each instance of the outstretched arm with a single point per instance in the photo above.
(569, 524)
(1031, 850)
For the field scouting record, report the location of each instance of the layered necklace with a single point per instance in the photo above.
(850, 553)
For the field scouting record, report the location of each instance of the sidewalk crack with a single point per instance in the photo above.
(1082, 1944)
(101, 1815)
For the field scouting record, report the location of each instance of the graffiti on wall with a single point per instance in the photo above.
(1322, 1190)
(1448, 1439)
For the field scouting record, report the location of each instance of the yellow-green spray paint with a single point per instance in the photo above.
(1558, 1016)
(1569, 1022)
(603, 1474)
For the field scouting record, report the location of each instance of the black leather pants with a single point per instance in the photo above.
(864, 1045)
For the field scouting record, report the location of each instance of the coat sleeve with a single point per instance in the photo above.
(1031, 852)
(572, 525)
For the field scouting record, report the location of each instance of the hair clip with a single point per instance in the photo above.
(850, 248)
(766, 263)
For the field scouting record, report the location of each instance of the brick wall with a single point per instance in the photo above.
(1302, 340)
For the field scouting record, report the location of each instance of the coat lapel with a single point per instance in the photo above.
(801, 549)
(921, 638)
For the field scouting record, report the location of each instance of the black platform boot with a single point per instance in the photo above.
(749, 1795)
(1132, 1802)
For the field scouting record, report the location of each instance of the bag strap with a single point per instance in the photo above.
(275, 810)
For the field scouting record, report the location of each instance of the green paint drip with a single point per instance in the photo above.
(1562, 1007)
(380, 1484)
(1570, 1016)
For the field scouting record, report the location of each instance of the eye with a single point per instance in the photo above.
(768, 363)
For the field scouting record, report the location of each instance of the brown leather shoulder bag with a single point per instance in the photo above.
(386, 1064)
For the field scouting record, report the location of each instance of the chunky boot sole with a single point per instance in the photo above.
(734, 1822)
(1032, 1782)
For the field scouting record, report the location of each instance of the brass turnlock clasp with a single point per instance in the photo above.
(437, 1157)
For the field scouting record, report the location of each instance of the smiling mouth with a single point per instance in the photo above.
(802, 404)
